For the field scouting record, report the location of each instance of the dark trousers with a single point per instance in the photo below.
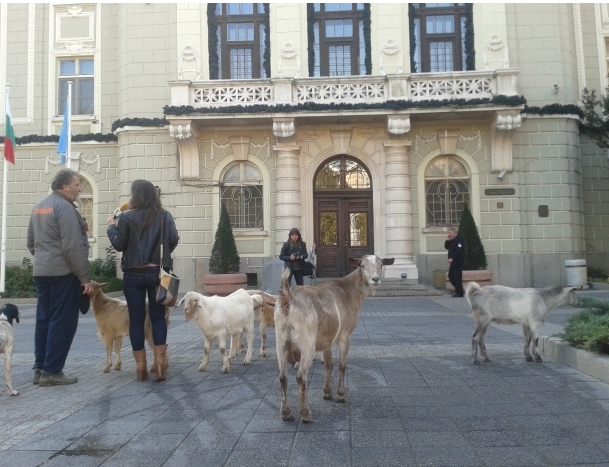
(298, 277)
(56, 320)
(455, 276)
(137, 285)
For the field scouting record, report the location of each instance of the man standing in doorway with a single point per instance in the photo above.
(456, 255)
(57, 237)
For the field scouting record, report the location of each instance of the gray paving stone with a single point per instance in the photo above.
(413, 398)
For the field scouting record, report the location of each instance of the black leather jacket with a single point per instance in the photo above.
(286, 251)
(140, 245)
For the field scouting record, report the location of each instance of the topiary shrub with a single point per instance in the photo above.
(475, 257)
(224, 258)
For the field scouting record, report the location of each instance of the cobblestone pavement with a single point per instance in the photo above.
(413, 398)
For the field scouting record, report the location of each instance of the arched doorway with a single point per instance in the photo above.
(342, 195)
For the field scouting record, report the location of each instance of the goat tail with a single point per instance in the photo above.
(284, 292)
(470, 288)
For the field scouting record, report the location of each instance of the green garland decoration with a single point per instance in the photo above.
(146, 122)
(266, 56)
(554, 109)
(212, 42)
(367, 45)
(310, 39)
(470, 49)
(513, 101)
(100, 138)
(413, 38)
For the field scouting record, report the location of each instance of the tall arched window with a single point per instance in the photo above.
(241, 193)
(85, 204)
(447, 190)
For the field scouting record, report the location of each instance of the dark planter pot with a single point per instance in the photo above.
(482, 277)
(224, 284)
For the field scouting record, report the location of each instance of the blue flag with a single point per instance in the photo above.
(62, 147)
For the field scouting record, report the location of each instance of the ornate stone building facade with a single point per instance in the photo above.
(368, 126)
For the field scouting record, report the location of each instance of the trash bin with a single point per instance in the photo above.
(576, 272)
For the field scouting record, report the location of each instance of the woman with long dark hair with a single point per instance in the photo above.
(293, 253)
(137, 233)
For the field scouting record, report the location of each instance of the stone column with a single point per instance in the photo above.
(289, 210)
(398, 211)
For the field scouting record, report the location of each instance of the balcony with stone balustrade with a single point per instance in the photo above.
(392, 100)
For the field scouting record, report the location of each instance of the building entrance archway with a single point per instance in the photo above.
(344, 226)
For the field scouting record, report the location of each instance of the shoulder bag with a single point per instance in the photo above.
(169, 283)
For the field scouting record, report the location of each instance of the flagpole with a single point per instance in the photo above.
(69, 110)
(4, 203)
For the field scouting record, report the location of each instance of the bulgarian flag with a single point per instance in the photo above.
(9, 136)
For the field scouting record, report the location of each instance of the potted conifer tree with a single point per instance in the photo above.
(224, 276)
(475, 263)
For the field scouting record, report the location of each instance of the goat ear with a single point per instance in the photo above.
(181, 301)
(354, 262)
(388, 261)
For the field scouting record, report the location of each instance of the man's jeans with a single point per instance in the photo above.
(56, 320)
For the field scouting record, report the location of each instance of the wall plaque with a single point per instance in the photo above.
(499, 191)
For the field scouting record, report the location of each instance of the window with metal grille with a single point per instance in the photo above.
(439, 37)
(241, 38)
(338, 40)
(341, 174)
(80, 72)
(241, 193)
(447, 190)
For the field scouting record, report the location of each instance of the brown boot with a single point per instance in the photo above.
(140, 359)
(161, 362)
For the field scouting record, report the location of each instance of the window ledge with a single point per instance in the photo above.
(78, 119)
(438, 230)
(250, 233)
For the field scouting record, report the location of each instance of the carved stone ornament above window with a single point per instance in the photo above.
(391, 58)
(180, 131)
(398, 125)
(189, 64)
(289, 62)
(284, 128)
(495, 54)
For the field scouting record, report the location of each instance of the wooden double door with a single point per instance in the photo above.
(343, 229)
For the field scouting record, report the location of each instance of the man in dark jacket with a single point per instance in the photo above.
(456, 256)
(57, 237)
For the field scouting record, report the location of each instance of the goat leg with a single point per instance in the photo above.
(225, 357)
(118, 343)
(343, 349)
(108, 341)
(207, 348)
(527, 343)
(262, 327)
(535, 342)
(249, 335)
(303, 401)
(235, 345)
(328, 364)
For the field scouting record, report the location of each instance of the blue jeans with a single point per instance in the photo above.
(56, 320)
(137, 285)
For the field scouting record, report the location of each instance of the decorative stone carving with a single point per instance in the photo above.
(332, 92)
(241, 146)
(189, 64)
(284, 128)
(288, 65)
(448, 141)
(180, 131)
(495, 54)
(398, 125)
(341, 140)
(75, 158)
(391, 58)
(74, 10)
(502, 134)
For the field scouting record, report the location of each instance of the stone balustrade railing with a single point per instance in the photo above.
(349, 90)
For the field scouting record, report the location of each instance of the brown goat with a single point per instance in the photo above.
(310, 319)
(264, 316)
(112, 318)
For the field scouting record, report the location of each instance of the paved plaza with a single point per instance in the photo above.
(413, 399)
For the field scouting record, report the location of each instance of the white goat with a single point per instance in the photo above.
(264, 315)
(507, 305)
(112, 318)
(218, 316)
(310, 319)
